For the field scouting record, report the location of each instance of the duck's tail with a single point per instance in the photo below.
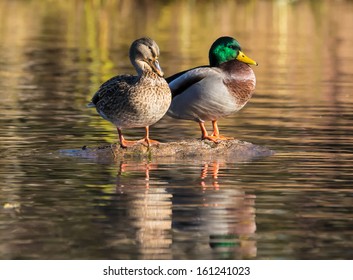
(90, 105)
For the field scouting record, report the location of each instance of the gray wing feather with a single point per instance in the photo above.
(190, 78)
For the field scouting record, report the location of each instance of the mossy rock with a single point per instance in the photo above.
(230, 151)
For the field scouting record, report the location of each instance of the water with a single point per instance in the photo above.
(296, 204)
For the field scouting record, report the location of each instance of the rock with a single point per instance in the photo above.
(229, 151)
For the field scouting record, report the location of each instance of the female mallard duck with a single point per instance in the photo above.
(135, 101)
(207, 93)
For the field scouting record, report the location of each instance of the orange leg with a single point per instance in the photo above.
(147, 138)
(215, 136)
(216, 132)
(205, 135)
(126, 143)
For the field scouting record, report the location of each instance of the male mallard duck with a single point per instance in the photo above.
(207, 93)
(135, 101)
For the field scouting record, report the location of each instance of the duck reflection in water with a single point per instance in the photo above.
(149, 209)
(230, 214)
(167, 213)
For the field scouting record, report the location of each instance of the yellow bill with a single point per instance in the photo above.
(243, 58)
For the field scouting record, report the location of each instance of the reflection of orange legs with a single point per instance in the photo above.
(215, 170)
(146, 167)
(127, 143)
(204, 171)
(215, 136)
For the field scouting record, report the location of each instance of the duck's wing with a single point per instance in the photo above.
(113, 86)
(173, 77)
(181, 81)
(200, 95)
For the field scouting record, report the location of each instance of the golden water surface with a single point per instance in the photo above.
(296, 204)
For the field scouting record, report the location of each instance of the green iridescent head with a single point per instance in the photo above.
(225, 49)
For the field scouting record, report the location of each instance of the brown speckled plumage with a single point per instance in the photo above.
(135, 101)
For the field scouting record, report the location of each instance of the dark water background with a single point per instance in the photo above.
(297, 204)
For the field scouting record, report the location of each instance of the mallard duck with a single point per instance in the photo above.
(135, 101)
(207, 93)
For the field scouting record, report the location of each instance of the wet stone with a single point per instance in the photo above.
(230, 151)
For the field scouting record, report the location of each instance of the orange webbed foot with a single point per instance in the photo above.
(149, 141)
(222, 137)
(216, 139)
(128, 143)
(211, 138)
